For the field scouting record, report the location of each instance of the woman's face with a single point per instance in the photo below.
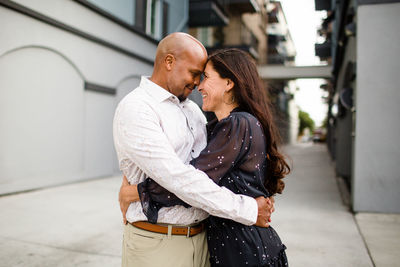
(212, 89)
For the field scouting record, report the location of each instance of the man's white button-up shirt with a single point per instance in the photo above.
(156, 135)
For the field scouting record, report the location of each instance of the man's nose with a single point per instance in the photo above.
(197, 81)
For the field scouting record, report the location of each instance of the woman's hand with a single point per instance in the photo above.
(127, 194)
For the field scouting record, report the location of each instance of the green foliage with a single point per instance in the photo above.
(305, 122)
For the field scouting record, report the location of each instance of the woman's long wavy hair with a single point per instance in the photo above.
(251, 96)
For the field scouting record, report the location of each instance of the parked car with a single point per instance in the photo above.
(319, 135)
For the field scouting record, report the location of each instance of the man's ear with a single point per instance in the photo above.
(169, 61)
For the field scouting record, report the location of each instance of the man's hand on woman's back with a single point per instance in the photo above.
(265, 209)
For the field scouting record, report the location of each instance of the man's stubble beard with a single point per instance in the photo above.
(182, 98)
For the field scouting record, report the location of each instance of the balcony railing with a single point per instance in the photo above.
(203, 13)
(275, 59)
(273, 16)
(323, 50)
(275, 39)
(323, 4)
(248, 42)
(244, 6)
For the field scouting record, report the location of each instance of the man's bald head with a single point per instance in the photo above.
(179, 44)
(180, 61)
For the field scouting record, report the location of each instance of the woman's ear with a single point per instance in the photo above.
(229, 85)
(169, 61)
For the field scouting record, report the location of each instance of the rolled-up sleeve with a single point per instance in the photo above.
(137, 129)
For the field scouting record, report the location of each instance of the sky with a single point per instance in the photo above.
(303, 22)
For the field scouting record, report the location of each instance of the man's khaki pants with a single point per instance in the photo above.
(142, 248)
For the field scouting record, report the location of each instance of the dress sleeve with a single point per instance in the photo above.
(228, 143)
(153, 197)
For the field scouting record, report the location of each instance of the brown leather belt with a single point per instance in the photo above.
(174, 230)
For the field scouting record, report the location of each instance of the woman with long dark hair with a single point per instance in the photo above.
(242, 155)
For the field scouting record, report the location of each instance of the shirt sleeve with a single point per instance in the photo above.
(138, 131)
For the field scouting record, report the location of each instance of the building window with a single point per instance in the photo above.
(154, 18)
(154, 6)
(205, 36)
(140, 14)
(122, 9)
(149, 16)
(165, 19)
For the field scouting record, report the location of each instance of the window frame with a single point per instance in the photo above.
(104, 13)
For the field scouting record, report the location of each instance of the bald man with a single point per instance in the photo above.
(157, 131)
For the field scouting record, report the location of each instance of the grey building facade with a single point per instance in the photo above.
(64, 66)
(364, 93)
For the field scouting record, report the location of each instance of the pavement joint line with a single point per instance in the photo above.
(363, 239)
(345, 196)
(61, 248)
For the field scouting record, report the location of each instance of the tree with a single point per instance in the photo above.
(305, 122)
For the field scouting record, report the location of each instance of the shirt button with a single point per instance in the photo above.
(192, 150)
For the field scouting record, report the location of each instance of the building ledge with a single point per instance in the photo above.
(282, 72)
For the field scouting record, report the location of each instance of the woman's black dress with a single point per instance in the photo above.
(235, 157)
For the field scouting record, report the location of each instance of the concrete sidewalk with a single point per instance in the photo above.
(318, 229)
(80, 224)
(70, 225)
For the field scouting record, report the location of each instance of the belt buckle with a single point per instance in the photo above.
(188, 231)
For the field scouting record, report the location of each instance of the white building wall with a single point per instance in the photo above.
(293, 111)
(75, 15)
(41, 117)
(377, 147)
(53, 130)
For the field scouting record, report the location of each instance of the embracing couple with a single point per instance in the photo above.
(197, 193)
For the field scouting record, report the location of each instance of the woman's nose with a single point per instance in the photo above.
(200, 87)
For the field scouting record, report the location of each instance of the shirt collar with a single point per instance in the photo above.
(155, 91)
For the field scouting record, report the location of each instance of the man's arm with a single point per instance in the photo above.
(138, 131)
(129, 193)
